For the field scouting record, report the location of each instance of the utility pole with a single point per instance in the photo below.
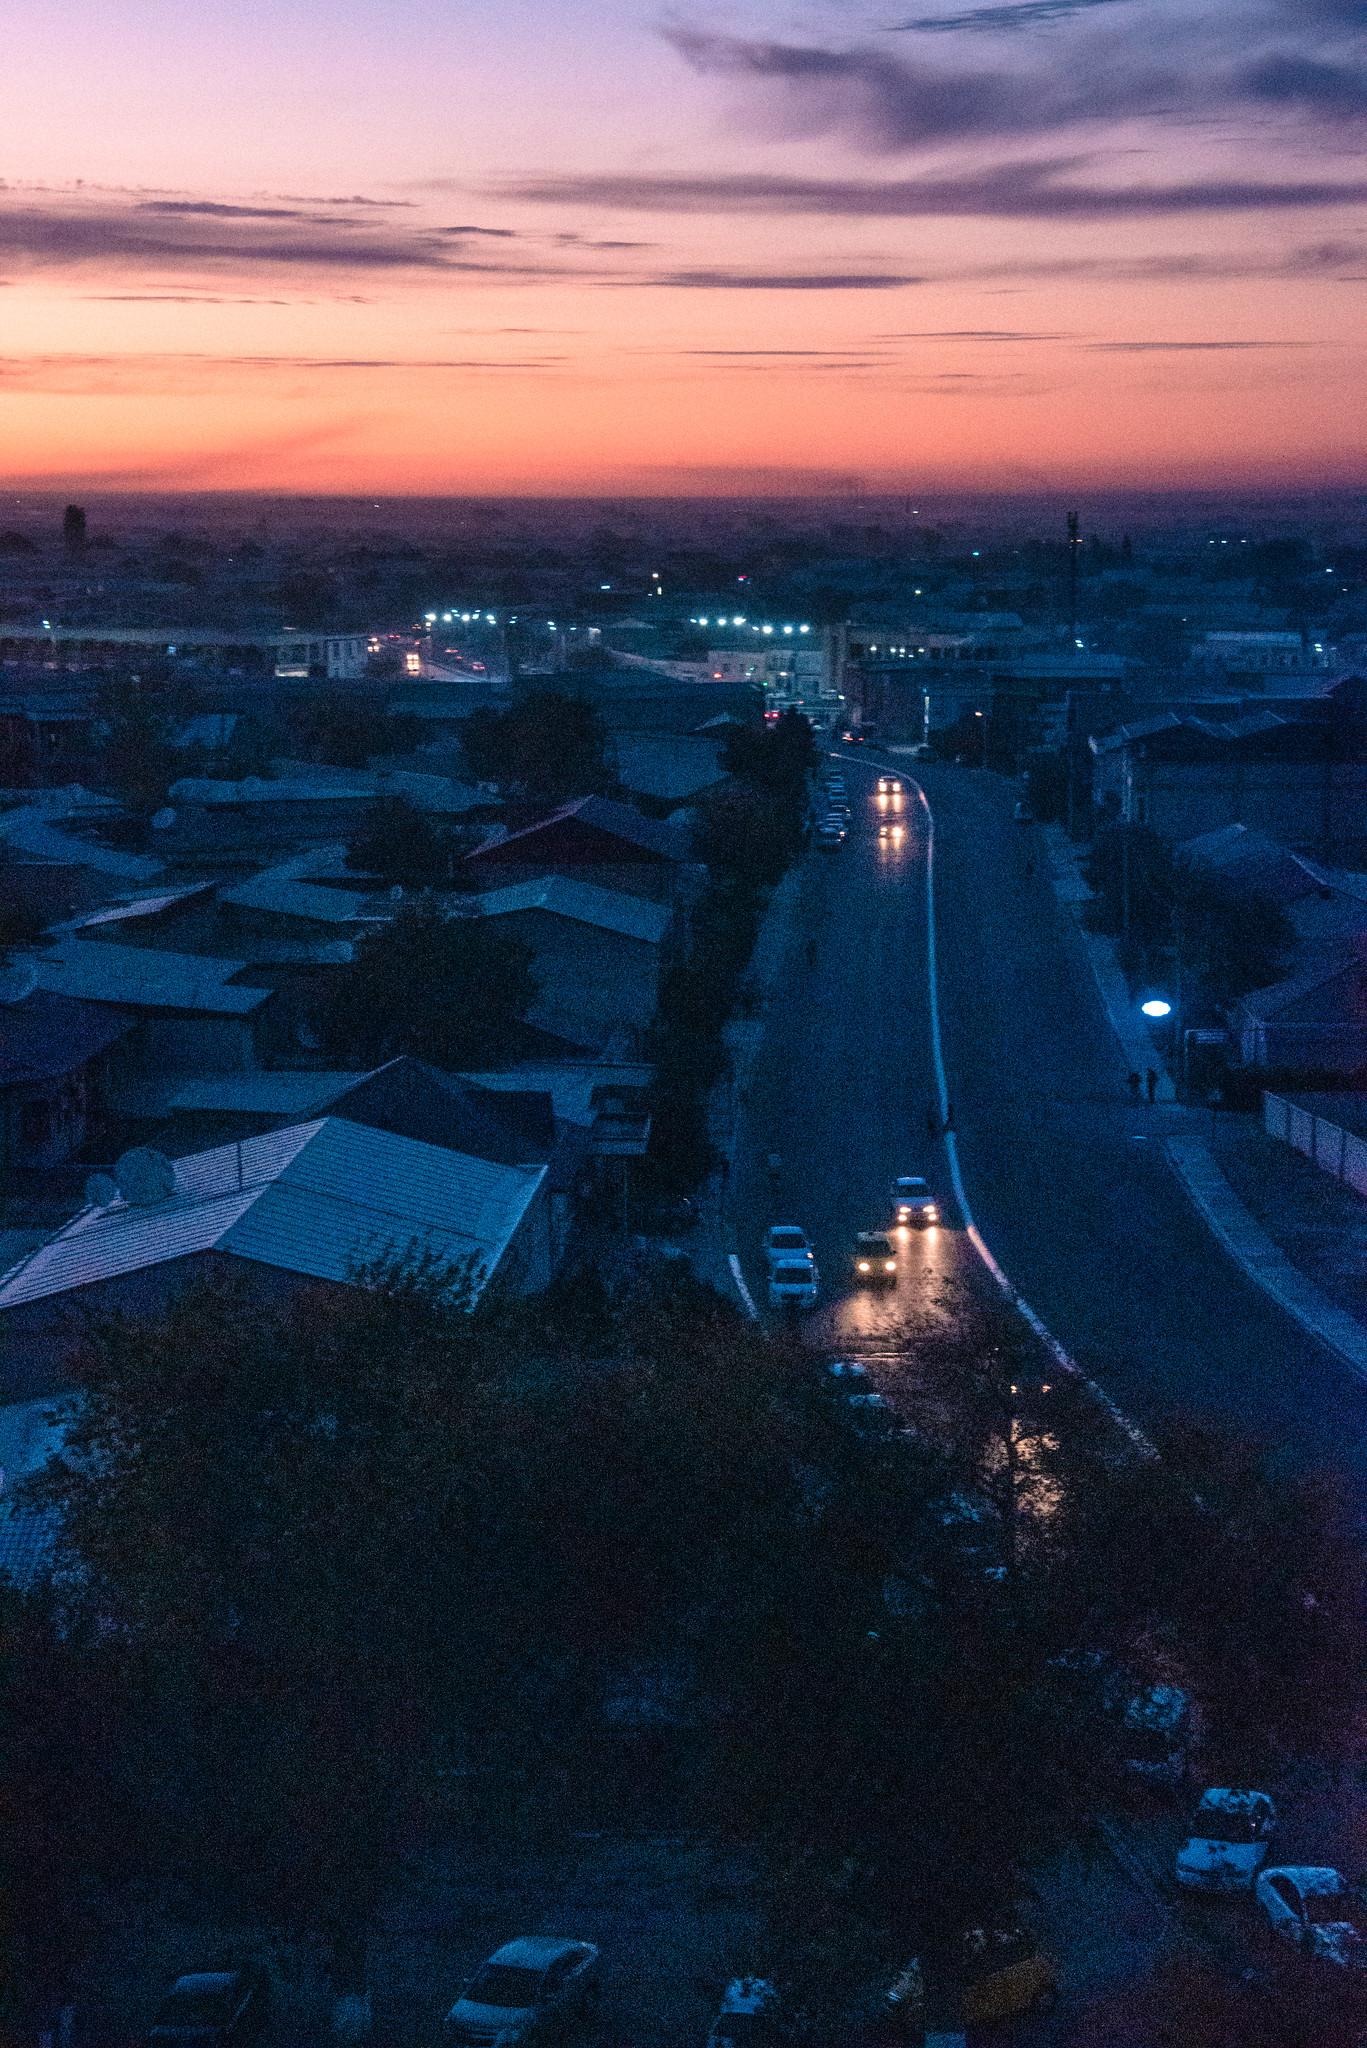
(1074, 543)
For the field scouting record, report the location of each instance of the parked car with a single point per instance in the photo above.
(1156, 1734)
(1227, 1841)
(923, 751)
(752, 2016)
(912, 1201)
(874, 1259)
(786, 1241)
(212, 2009)
(852, 737)
(1316, 1909)
(526, 1989)
(846, 1376)
(999, 1974)
(830, 837)
(793, 1283)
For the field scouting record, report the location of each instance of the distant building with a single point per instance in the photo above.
(337, 657)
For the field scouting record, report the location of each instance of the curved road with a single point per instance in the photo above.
(1066, 1177)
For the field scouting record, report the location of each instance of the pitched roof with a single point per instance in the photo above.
(143, 978)
(1247, 858)
(1263, 1003)
(611, 910)
(45, 1035)
(290, 895)
(30, 830)
(600, 814)
(319, 1198)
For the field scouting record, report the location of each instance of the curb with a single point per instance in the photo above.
(1135, 1040)
(1264, 1262)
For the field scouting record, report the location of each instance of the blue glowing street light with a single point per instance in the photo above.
(1156, 1006)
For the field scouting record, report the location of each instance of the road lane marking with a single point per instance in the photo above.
(1062, 1358)
(747, 1298)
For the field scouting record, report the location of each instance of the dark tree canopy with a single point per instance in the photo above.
(449, 988)
(548, 747)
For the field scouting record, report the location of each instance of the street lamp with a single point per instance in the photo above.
(1156, 1006)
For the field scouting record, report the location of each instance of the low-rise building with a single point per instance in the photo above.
(595, 956)
(314, 1202)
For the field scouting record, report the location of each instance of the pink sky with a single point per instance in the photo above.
(548, 246)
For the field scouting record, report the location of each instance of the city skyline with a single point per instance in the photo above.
(563, 249)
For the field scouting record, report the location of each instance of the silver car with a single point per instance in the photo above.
(526, 1989)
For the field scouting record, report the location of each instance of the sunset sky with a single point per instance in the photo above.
(581, 245)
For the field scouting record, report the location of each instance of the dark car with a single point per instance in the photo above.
(874, 1259)
(212, 2009)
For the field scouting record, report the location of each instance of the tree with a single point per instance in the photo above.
(548, 747)
(777, 755)
(403, 846)
(74, 529)
(349, 732)
(449, 988)
(137, 717)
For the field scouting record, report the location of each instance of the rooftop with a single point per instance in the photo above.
(320, 1198)
(632, 917)
(143, 978)
(45, 1036)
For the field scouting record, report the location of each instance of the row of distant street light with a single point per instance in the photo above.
(739, 619)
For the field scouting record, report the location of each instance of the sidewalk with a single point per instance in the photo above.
(1254, 1196)
(1072, 893)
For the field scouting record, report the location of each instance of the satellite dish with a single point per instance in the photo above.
(100, 1190)
(163, 819)
(144, 1175)
(18, 980)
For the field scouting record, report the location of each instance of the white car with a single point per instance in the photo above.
(889, 785)
(786, 1241)
(912, 1201)
(750, 2016)
(1156, 1734)
(1227, 1841)
(1316, 1909)
(525, 1988)
(793, 1283)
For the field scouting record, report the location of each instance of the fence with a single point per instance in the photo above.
(1341, 1152)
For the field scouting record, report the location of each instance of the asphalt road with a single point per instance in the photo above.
(1066, 1177)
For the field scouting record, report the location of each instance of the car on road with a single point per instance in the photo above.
(846, 1376)
(852, 737)
(752, 2016)
(830, 836)
(1317, 1910)
(793, 1283)
(874, 1259)
(892, 830)
(785, 1241)
(1227, 1841)
(912, 1201)
(525, 1991)
(212, 2009)
(889, 785)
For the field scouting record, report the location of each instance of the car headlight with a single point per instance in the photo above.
(932, 1214)
(863, 1265)
(889, 1265)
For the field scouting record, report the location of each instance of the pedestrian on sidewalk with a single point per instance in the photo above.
(1151, 1084)
(1135, 1085)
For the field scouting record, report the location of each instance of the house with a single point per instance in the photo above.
(54, 1077)
(594, 839)
(314, 1202)
(1302, 780)
(668, 768)
(290, 912)
(1314, 1021)
(595, 955)
(307, 804)
(190, 1010)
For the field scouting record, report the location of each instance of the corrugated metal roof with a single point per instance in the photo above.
(30, 831)
(284, 1093)
(289, 896)
(633, 917)
(318, 1198)
(142, 977)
